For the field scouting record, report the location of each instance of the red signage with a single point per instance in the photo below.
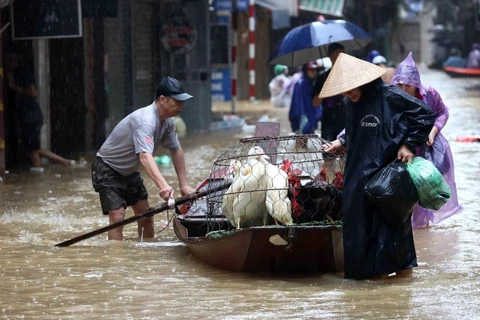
(178, 35)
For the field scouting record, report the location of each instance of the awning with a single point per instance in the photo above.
(280, 15)
(330, 7)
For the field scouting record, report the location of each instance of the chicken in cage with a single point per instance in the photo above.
(278, 180)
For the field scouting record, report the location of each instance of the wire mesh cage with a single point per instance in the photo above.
(281, 180)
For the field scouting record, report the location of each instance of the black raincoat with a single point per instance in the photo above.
(376, 126)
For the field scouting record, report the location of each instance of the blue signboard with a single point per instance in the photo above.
(221, 84)
(242, 5)
(223, 19)
(223, 5)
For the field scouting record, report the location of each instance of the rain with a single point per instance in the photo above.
(91, 63)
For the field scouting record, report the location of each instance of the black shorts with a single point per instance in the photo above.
(31, 136)
(116, 190)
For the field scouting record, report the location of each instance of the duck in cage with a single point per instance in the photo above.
(277, 180)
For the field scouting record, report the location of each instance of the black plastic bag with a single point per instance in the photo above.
(392, 191)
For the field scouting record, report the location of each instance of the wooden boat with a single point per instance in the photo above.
(270, 249)
(312, 247)
(462, 72)
(297, 249)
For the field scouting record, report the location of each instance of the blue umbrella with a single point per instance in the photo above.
(310, 41)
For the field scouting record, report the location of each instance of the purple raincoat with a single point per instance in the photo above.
(473, 61)
(440, 154)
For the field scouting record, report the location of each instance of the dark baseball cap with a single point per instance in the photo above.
(171, 87)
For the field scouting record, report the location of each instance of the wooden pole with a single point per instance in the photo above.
(146, 214)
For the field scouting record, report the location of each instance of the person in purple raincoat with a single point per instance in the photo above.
(436, 149)
(473, 61)
(303, 115)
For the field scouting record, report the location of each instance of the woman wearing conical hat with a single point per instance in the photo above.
(383, 123)
(437, 148)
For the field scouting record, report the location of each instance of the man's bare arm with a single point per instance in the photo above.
(154, 173)
(178, 160)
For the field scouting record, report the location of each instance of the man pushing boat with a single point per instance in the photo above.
(115, 174)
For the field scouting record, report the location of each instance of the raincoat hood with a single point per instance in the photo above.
(407, 73)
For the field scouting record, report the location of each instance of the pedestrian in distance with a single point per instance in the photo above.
(280, 96)
(131, 144)
(455, 59)
(382, 62)
(383, 123)
(333, 108)
(303, 115)
(30, 117)
(473, 60)
(436, 148)
(372, 54)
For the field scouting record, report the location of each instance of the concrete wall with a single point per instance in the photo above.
(414, 34)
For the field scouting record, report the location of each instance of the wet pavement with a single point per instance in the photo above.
(100, 279)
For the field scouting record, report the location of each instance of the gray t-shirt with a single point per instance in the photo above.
(140, 131)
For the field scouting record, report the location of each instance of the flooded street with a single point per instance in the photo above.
(100, 279)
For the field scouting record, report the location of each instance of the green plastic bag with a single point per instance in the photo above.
(433, 190)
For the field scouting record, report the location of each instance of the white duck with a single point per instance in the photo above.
(249, 207)
(237, 174)
(275, 181)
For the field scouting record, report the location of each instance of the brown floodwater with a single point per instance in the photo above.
(100, 279)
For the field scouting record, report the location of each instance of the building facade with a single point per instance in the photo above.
(89, 81)
(111, 59)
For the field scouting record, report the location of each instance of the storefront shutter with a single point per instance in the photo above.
(143, 38)
(115, 80)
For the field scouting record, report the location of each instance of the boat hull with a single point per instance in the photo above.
(462, 72)
(270, 249)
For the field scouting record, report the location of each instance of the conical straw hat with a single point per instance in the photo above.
(349, 73)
